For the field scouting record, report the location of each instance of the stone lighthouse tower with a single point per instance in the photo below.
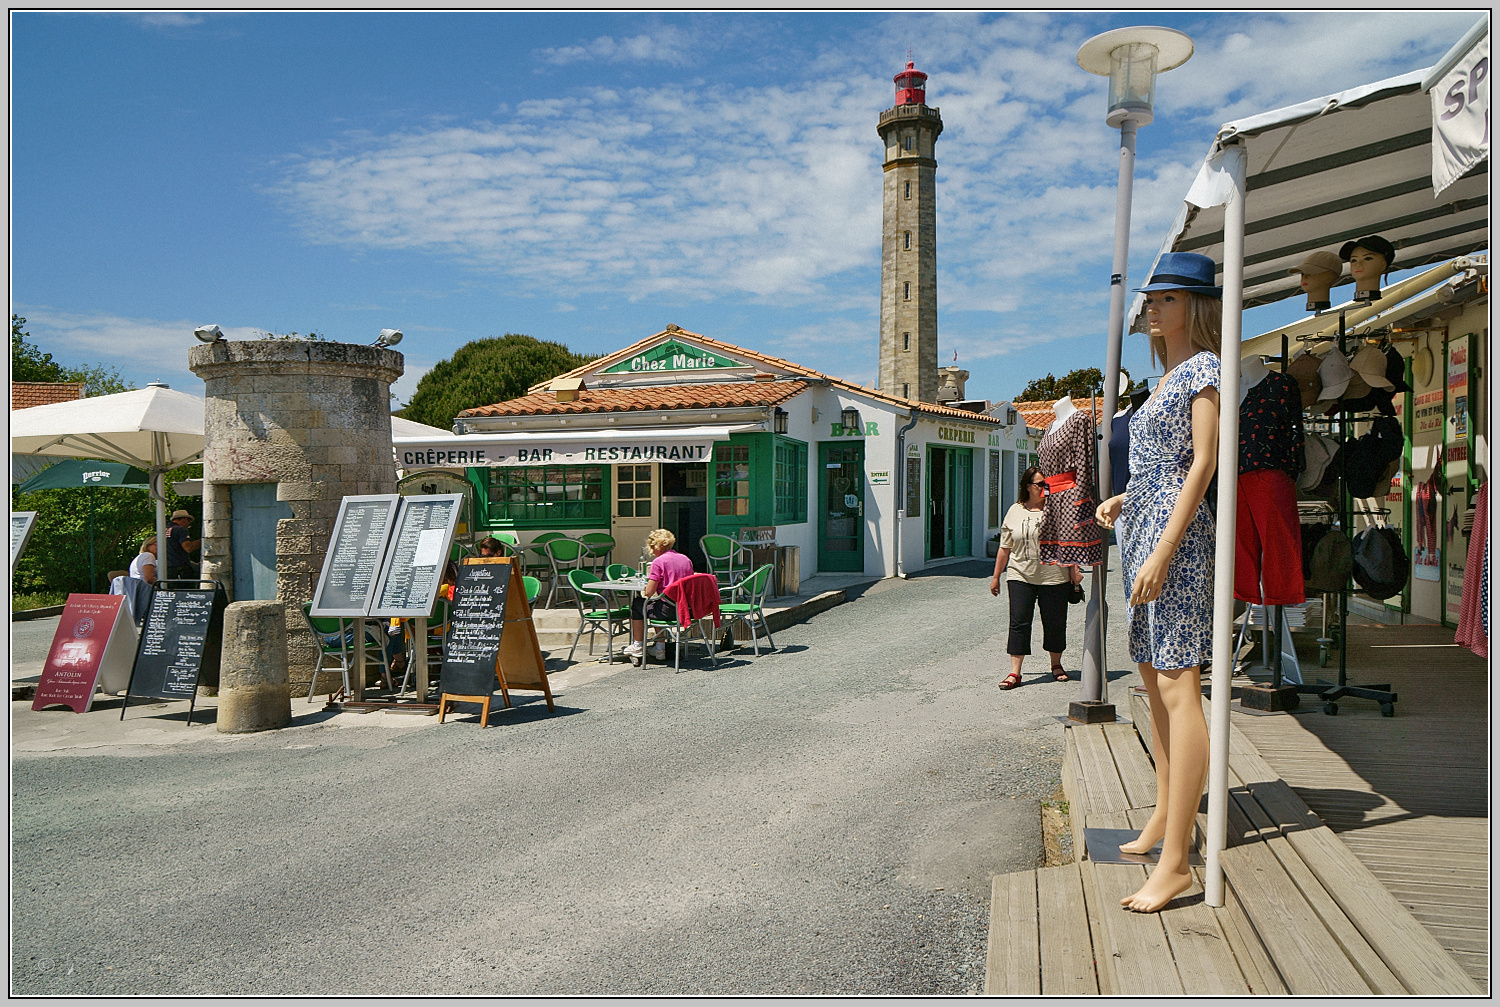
(908, 270)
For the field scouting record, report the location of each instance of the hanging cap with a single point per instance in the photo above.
(1184, 271)
(1335, 373)
(1370, 364)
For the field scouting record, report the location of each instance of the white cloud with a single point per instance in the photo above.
(772, 192)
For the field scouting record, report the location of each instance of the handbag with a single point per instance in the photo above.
(1075, 593)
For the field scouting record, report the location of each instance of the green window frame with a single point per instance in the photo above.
(548, 496)
(790, 481)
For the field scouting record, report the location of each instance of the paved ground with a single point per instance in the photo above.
(821, 820)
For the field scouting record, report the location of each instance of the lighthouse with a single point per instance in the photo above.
(908, 263)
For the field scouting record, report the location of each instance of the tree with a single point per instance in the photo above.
(484, 372)
(1080, 383)
(29, 363)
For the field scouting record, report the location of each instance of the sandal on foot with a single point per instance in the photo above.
(1011, 681)
(1059, 674)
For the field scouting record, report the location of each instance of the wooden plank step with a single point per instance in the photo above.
(1255, 964)
(1101, 780)
(1306, 956)
(1133, 764)
(1104, 961)
(1067, 952)
(1012, 965)
(1136, 942)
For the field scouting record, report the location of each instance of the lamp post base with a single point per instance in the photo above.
(1091, 712)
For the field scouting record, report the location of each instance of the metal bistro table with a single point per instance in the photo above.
(629, 586)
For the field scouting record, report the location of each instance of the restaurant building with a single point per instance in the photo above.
(699, 436)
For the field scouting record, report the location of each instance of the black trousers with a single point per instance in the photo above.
(657, 607)
(1024, 598)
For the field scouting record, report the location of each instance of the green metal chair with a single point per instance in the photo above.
(509, 539)
(619, 571)
(611, 620)
(754, 588)
(728, 561)
(335, 638)
(681, 635)
(598, 547)
(566, 555)
(533, 589)
(539, 567)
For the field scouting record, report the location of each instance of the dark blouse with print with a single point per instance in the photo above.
(1271, 426)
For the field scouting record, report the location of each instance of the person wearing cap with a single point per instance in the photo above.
(179, 566)
(1320, 273)
(1168, 554)
(1369, 258)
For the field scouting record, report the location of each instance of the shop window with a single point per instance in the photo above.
(913, 487)
(732, 480)
(994, 489)
(634, 488)
(547, 494)
(790, 482)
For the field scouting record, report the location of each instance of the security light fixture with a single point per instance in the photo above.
(388, 337)
(209, 333)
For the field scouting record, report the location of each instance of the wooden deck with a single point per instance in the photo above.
(1303, 915)
(1408, 795)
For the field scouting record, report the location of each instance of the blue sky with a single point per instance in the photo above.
(588, 178)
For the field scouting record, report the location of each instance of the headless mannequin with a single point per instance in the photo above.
(1062, 408)
(1178, 729)
(1317, 287)
(1368, 269)
(1253, 371)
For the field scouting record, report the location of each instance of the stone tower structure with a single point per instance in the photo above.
(908, 264)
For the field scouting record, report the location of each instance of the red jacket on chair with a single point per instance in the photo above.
(696, 597)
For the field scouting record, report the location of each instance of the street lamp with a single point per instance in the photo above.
(388, 337)
(1131, 58)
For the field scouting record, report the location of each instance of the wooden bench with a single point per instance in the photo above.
(1302, 915)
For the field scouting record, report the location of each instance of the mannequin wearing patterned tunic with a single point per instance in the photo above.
(1069, 533)
(1167, 555)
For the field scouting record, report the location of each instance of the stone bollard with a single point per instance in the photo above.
(254, 694)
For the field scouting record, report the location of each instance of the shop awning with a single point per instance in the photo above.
(565, 447)
(1328, 171)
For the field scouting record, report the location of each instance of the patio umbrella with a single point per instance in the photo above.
(154, 428)
(76, 472)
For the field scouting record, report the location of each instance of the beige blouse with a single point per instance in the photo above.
(1020, 533)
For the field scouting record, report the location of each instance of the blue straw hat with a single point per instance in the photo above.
(1184, 271)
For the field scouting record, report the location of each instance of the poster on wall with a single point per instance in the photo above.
(1455, 468)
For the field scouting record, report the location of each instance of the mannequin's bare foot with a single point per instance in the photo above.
(1162, 887)
(1149, 837)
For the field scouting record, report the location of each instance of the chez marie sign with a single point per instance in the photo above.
(673, 356)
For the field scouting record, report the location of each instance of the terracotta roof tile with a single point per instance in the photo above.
(618, 400)
(931, 408)
(25, 394)
(1040, 414)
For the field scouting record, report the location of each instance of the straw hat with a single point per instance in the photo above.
(180, 514)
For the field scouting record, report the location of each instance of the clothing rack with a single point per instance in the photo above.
(1331, 692)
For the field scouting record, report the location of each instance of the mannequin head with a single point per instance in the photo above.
(1177, 317)
(1369, 258)
(1320, 273)
(1064, 407)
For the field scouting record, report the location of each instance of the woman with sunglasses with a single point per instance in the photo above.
(1032, 583)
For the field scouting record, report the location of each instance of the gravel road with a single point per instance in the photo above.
(820, 820)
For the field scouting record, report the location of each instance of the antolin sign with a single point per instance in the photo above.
(673, 356)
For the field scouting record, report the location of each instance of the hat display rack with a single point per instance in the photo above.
(1339, 513)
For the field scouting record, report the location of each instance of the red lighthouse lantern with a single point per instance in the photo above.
(911, 86)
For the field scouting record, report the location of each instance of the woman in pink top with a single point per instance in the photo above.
(667, 568)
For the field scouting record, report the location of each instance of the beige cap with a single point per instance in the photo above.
(1369, 363)
(1320, 262)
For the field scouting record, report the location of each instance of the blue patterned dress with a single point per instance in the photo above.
(1175, 630)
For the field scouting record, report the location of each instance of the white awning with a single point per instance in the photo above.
(1328, 171)
(565, 447)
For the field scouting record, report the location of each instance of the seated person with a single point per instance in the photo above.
(489, 546)
(668, 567)
(143, 567)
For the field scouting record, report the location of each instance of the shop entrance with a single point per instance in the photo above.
(950, 502)
(841, 507)
(684, 508)
(635, 514)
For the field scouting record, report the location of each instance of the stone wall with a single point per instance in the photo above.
(314, 419)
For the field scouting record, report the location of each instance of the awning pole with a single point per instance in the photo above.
(1228, 469)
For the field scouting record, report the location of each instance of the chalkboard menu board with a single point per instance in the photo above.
(21, 523)
(354, 553)
(416, 555)
(180, 642)
(474, 626)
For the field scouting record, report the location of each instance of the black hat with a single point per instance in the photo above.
(1380, 566)
(1374, 243)
(1395, 370)
(1369, 456)
(1330, 563)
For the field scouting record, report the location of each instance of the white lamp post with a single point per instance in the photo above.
(1131, 58)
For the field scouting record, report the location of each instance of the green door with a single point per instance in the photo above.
(961, 501)
(841, 507)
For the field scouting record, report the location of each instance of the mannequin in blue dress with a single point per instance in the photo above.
(1168, 556)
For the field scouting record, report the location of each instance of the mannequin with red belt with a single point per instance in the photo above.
(1069, 534)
